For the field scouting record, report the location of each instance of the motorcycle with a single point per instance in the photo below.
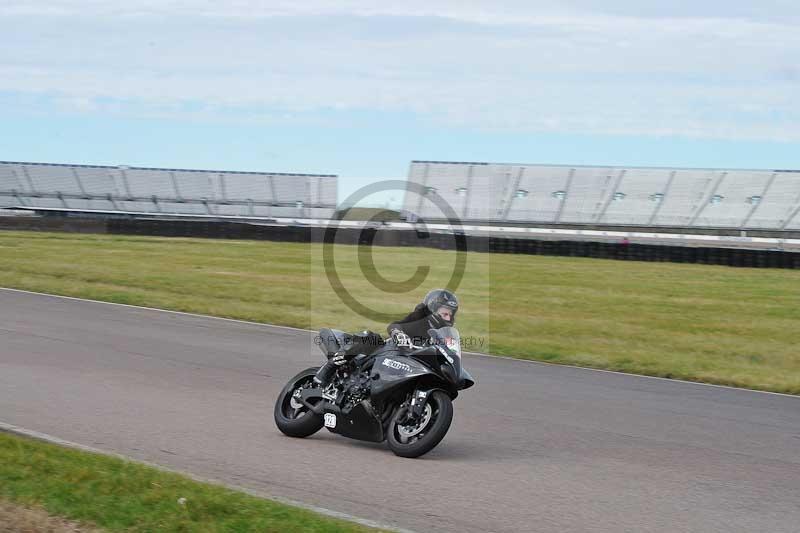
(399, 394)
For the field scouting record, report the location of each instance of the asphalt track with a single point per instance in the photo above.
(533, 447)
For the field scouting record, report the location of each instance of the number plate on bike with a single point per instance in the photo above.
(330, 420)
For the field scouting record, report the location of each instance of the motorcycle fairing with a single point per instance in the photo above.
(392, 371)
(467, 380)
(359, 423)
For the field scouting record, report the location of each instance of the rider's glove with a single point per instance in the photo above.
(338, 359)
(401, 339)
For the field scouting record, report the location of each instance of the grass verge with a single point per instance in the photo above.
(715, 324)
(17, 518)
(118, 495)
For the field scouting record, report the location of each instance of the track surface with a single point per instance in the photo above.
(532, 448)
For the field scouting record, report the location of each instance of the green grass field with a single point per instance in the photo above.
(18, 518)
(118, 495)
(706, 323)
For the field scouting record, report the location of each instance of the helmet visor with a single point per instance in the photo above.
(447, 313)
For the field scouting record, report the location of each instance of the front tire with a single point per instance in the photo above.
(292, 418)
(413, 440)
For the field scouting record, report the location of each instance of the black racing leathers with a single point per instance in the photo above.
(416, 325)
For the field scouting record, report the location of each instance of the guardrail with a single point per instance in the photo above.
(512, 232)
(359, 233)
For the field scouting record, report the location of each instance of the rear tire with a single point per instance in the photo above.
(292, 421)
(429, 435)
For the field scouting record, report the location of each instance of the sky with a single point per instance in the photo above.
(361, 88)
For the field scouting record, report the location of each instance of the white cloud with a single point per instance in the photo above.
(724, 72)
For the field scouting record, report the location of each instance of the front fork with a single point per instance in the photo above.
(418, 400)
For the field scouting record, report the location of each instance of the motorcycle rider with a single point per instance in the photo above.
(437, 310)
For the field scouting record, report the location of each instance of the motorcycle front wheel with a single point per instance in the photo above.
(408, 438)
(292, 417)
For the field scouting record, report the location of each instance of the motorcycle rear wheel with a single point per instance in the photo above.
(296, 421)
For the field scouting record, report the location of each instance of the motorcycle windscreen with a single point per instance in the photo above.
(450, 340)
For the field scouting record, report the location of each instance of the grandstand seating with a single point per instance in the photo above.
(598, 196)
(164, 190)
(476, 191)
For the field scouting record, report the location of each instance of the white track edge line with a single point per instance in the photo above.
(37, 435)
(504, 357)
(198, 315)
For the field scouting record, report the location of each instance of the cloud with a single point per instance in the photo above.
(716, 70)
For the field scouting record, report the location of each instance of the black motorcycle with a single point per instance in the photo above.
(387, 392)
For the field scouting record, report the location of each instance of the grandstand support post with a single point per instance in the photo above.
(665, 192)
(29, 179)
(154, 199)
(222, 188)
(468, 193)
(115, 191)
(309, 201)
(175, 186)
(16, 178)
(424, 184)
(790, 217)
(110, 198)
(610, 197)
(707, 198)
(208, 206)
(63, 200)
(78, 181)
(567, 187)
(125, 183)
(753, 209)
(18, 197)
(273, 196)
(512, 193)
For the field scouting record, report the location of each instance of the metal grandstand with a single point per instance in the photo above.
(166, 191)
(609, 196)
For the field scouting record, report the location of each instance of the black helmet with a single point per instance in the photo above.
(435, 301)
